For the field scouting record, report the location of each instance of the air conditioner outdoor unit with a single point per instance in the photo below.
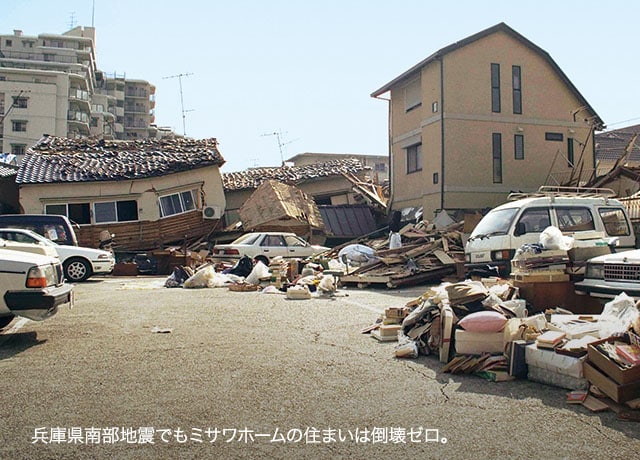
(211, 212)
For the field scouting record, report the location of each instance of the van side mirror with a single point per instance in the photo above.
(520, 229)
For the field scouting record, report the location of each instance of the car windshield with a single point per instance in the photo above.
(495, 223)
(249, 238)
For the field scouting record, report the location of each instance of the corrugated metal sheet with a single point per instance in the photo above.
(347, 221)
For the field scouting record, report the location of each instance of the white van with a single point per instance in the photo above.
(579, 212)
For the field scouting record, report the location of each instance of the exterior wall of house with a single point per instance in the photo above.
(467, 126)
(34, 197)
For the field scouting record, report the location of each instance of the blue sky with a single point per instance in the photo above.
(306, 68)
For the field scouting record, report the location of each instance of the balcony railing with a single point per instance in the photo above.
(79, 94)
(74, 115)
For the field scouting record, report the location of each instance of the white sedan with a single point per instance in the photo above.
(78, 263)
(266, 246)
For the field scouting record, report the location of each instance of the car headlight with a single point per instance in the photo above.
(594, 271)
(104, 256)
(503, 254)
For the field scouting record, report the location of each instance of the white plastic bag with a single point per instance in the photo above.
(201, 278)
(260, 270)
(552, 238)
(617, 315)
(327, 284)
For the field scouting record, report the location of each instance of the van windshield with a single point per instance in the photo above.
(494, 223)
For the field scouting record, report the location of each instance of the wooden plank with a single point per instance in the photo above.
(444, 257)
(364, 279)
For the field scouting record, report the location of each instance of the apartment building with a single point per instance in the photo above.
(50, 84)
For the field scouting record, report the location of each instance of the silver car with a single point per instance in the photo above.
(265, 246)
(608, 275)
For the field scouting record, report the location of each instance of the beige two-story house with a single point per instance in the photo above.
(487, 115)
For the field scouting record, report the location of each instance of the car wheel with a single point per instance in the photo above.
(5, 320)
(76, 270)
(262, 259)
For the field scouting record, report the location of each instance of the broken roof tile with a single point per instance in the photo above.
(58, 159)
(253, 178)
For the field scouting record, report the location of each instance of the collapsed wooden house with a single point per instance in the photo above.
(276, 206)
(148, 193)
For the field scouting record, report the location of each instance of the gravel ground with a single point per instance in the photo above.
(251, 375)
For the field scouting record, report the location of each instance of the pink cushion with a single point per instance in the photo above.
(483, 321)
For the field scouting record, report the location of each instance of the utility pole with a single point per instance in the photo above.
(179, 77)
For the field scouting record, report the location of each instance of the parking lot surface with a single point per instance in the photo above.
(140, 371)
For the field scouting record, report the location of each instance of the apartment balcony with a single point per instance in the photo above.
(137, 108)
(80, 98)
(78, 122)
(136, 124)
(138, 93)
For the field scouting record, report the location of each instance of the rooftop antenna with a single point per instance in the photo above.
(281, 144)
(179, 77)
(72, 20)
(93, 12)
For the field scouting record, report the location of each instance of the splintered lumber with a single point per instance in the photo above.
(425, 256)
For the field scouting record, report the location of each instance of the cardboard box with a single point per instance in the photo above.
(476, 343)
(540, 277)
(610, 368)
(619, 393)
(395, 312)
(390, 330)
(554, 362)
(446, 331)
(586, 253)
(556, 379)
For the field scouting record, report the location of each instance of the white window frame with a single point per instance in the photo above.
(183, 206)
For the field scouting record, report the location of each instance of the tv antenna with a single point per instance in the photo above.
(72, 20)
(179, 77)
(281, 144)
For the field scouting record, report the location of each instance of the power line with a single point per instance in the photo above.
(621, 122)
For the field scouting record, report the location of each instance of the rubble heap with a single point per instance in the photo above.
(427, 255)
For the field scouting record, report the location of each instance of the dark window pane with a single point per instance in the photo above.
(127, 210)
(556, 137)
(518, 141)
(495, 88)
(497, 158)
(60, 209)
(570, 152)
(79, 213)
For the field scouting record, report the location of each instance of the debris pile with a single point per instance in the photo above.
(483, 327)
(427, 255)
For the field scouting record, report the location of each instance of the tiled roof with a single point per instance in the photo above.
(610, 145)
(57, 159)
(7, 170)
(253, 178)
